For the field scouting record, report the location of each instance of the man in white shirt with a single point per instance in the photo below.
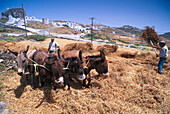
(163, 55)
(53, 46)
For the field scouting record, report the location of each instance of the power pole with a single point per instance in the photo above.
(24, 20)
(92, 28)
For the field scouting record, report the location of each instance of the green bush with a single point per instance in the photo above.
(11, 38)
(3, 30)
(37, 37)
(137, 44)
(133, 46)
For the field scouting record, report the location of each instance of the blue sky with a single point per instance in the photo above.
(115, 13)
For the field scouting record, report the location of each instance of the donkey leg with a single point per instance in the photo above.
(84, 82)
(27, 75)
(66, 82)
(71, 78)
(39, 78)
(89, 80)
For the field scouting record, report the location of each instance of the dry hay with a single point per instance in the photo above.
(149, 34)
(2, 43)
(108, 49)
(128, 54)
(21, 46)
(84, 47)
(130, 88)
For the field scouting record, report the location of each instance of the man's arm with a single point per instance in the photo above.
(156, 47)
(57, 46)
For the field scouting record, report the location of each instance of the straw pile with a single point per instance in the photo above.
(21, 46)
(84, 47)
(108, 49)
(150, 34)
(2, 43)
(129, 55)
(133, 86)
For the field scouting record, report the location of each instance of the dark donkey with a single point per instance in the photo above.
(73, 63)
(97, 62)
(50, 69)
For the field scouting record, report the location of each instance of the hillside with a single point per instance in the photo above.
(133, 86)
(131, 29)
(64, 30)
(166, 35)
(38, 25)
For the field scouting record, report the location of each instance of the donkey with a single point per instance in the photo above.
(24, 61)
(97, 62)
(50, 68)
(73, 63)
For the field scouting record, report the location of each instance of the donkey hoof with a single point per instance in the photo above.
(87, 86)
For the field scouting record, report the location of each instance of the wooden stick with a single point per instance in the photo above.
(153, 46)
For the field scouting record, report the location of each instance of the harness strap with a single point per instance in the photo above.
(67, 66)
(87, 63)
(36, 64)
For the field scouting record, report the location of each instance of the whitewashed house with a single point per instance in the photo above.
(60, 23)
(32, 18)
(19, 21)
(12, 20)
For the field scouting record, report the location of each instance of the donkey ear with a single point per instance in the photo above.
(26, 50)
(102, 53)
(5, 51)
(80, 55)
(15, 53)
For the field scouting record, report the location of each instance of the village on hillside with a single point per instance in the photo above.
(126, 36)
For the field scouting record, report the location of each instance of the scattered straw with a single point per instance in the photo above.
(133, 86)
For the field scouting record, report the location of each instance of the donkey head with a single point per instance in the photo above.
(21, 60)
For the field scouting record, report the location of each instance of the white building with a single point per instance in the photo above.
(12, 20)
(19, 21)
(59, 23)
(45, 21)
(32, 18)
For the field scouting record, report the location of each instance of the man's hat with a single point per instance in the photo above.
(162, 42)
(52, 38)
